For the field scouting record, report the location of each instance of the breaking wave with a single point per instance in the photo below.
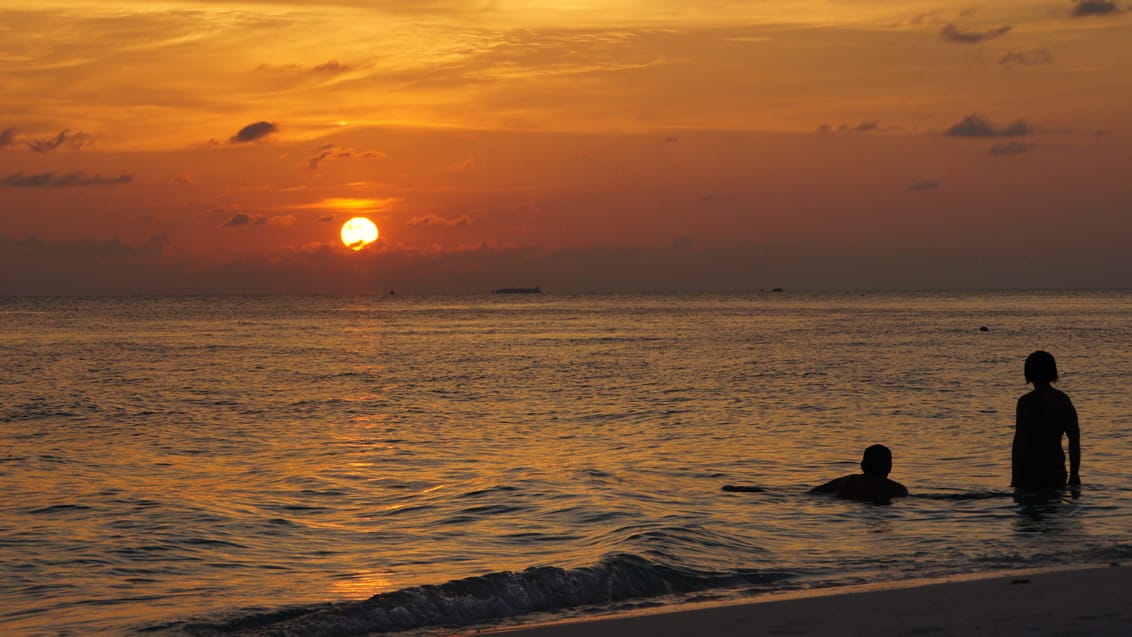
(495, 596)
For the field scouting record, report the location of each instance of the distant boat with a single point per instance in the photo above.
(534, 290)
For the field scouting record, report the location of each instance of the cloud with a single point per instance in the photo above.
(253, 132)
(282, 221)
(974, 125)
(65, 139)
(868, 126)
(331, 66)
(920, 186)
(1085, 8)
(1027, 58)
(7, 137)
(436, 220)
(1011, 148)
(51, 180)
(241, 219)
(348, 205)
(33, 265)
(951, 33)
(86, 249)
(334, 151)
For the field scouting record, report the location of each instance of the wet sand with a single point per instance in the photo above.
(1084, 601)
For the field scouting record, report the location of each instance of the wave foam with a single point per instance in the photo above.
(484, 598)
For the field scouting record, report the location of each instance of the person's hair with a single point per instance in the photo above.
(877, 461)
(1040, 366)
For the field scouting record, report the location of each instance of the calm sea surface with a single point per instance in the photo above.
(258, 465)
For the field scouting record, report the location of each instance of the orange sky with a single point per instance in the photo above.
(629, 145)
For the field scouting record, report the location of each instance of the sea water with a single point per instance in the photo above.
(334, 466)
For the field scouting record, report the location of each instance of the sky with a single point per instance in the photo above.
(208, 147)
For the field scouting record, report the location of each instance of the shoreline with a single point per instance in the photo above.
(1083, 599)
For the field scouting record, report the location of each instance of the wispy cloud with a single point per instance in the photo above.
(239, 220)
(974, 125)
(436, 220)
(952, 33)
(334, 151)
(102, 249)
(65, 139)
(868, 126)
(331, 66)
(52, 180)
(1085, 8)
(349, 205)
(1026, 58)
(254, 132)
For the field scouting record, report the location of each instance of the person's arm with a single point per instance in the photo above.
(828, 487)
(1073, 432)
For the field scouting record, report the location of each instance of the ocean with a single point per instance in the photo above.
(341, 466)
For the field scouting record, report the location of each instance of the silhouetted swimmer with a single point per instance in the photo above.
(1043, 416)
(872, 483)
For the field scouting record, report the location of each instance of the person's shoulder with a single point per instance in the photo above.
(871, 488)
(1062, 396)
(1057, 399)
(897, 490)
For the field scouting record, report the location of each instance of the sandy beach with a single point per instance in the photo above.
(1084, 601)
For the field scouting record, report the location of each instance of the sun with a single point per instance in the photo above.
(358, 233)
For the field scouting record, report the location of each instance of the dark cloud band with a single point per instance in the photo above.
(51, 180)
(65, 139)
(952, 33)
(253, 132)
(1085, 8)
(975, 125)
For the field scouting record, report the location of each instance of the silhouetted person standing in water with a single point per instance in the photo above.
(872, 484)
(1043, 416)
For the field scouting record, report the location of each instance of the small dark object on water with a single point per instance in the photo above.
(984, 329)
(734, 488)
(776, 290)
(534, 290)
(1021, 580)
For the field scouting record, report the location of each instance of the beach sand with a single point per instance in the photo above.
(1085, 601)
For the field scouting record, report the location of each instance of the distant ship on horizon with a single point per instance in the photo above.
(535, 290)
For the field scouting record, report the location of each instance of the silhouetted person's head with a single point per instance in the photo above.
(877, 461)
(1041, 368)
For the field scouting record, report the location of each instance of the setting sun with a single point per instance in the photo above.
(358, 233)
